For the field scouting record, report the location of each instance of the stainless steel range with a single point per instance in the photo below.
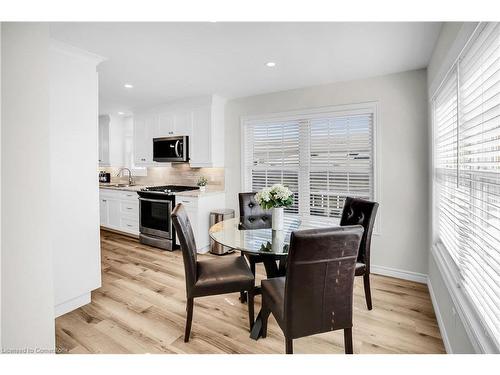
(155, 206)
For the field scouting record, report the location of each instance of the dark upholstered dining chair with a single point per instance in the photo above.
(359, 211)
(316, 294)
(209, 277)
(253, 216)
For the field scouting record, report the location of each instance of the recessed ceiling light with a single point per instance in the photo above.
(271, 64)
(121, 113)
(128, 86)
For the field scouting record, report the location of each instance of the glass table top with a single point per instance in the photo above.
(264, 241)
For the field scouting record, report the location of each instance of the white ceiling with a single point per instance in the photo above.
(168, 61)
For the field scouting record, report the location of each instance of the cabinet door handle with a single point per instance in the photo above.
(129, 208)
(104, 200)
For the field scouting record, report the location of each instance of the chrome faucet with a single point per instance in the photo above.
(130, 177)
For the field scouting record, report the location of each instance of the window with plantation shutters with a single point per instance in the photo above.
(466, 114)
(340, 162)
(323, 157)
(274, 157)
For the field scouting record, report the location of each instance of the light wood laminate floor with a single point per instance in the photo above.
(140, 308)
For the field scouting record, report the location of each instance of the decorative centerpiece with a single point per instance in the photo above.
(202, 183)
(276, 197)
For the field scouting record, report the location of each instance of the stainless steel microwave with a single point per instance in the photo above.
(171, 149)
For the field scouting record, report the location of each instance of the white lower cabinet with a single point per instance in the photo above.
(198, 210)
(119, 210)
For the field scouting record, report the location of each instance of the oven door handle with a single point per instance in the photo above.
(156, 200)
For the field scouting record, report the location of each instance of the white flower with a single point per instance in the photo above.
(275, 196)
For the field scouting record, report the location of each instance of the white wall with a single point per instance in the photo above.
(0, 187)
(457, 321)
(74, 185)
(403, 158)
(27, 283)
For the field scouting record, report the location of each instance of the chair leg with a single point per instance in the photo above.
(243, 294)
(251, 317)
(348, 341)
(264, 314)
(189, 318)
(289, 345)
(368, 294)
(243, 297)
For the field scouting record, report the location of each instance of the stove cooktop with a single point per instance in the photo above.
(168, 189)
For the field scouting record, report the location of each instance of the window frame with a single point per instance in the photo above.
(308, 113)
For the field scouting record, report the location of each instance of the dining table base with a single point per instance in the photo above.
(275, 267)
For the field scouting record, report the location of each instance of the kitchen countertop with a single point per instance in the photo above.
(198, 193)
(189, 193)
(122, 188)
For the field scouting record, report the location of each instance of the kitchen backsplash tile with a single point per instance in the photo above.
(176, 174)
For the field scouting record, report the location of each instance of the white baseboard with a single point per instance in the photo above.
(439, 318)
(399, 274)
(72, 304)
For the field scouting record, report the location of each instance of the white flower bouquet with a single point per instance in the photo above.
(275, 196)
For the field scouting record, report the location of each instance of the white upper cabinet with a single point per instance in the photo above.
(104, 141)
(175, 123)
(166, 125)
(184, 123)
(145, 129)
(200, 145)
(202, 119)
(207, 143)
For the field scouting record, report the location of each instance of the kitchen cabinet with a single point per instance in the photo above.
(113, 141)
(166, 125)
(119, 210)
(145, 129)
(175, 123)
(198, 209)
(183, 123)
(201, 119)
(103, 211)
(104, 159)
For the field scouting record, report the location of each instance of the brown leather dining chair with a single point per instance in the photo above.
(362, 212)
(316, 294)
(209, 277)
(252, 216)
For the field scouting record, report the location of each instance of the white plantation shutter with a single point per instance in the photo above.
(274, 157)
(321, 157)
(446, 133)
(468, 172)
(341, 150)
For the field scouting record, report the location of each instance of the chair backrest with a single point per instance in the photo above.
(361, 212)
(252, 215)
(184, 231)
(320, 280)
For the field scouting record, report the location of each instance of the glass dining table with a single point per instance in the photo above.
(272, 245)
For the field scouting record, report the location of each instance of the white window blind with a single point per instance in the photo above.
(322, 158)
(341, 162)
(274, 157)
(467, 161)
